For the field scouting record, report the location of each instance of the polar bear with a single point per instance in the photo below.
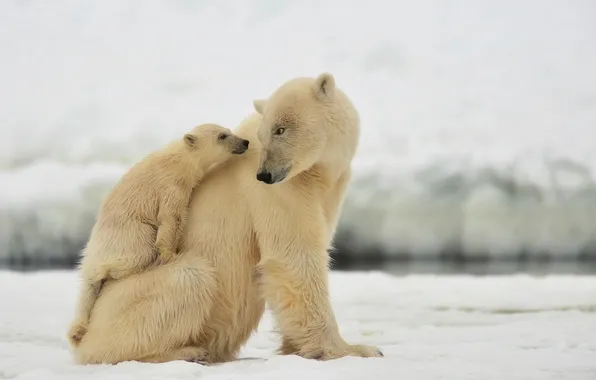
(258, 231)
(144, 214)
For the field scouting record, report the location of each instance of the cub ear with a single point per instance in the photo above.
(324, 86)
(190, 140)
(259, 105)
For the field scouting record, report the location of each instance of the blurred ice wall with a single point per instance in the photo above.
(478, 118)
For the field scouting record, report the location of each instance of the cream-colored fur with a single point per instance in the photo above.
(144, 215)
(246, 242)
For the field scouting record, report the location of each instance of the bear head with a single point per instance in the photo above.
(306, 121)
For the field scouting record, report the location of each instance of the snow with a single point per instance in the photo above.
(478, 117)
(429, 327)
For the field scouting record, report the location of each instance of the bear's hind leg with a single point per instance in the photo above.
(87, 297)
(157, 311)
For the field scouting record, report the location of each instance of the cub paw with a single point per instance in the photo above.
(166, 255)
(76, 333)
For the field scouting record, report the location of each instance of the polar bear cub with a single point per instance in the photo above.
(144, 215)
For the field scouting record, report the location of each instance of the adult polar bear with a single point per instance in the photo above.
(247, 242)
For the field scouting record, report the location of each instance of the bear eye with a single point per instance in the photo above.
(280, 131)
(222, 136)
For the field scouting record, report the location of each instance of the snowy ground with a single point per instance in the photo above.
(429, 327)
(478, 117)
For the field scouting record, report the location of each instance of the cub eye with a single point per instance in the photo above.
(222, 136)
(280, 131)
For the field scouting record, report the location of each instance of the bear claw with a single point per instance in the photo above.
(198, 361)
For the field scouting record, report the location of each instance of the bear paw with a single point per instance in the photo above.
(166, 255)
(195, 355)
(76, 333)
(364, 351)
(198, 361)
(330, 353)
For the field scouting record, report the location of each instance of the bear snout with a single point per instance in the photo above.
(265, 177)
(241, 147)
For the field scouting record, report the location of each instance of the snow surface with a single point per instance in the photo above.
(429, 327)
(479, 118)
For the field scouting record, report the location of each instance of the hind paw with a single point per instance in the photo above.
(76, 333)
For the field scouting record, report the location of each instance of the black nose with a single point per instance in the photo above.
(265, 177)
(245, 142)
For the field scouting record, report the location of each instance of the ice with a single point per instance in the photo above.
(429, 327)
(478, 117)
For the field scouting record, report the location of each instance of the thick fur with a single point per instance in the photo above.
(246, 242)
(144, 215)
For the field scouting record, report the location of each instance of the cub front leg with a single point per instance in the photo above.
(294, 274)
(171, 219)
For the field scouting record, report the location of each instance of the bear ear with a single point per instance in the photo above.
(259, 105)
(190, 140)
(324, 86)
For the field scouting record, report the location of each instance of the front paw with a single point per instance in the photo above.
(329, 353)
(364, 351)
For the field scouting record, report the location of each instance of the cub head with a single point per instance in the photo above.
(295, 125)
(214, 142)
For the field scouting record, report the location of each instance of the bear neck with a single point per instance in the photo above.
(327, 172)
(343, 134)
(341, 145)
(335, 160)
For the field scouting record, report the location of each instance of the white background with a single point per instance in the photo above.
(478, 118)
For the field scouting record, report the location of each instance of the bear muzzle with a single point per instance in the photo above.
(270, 178)
(241, 148)
(265, 177)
